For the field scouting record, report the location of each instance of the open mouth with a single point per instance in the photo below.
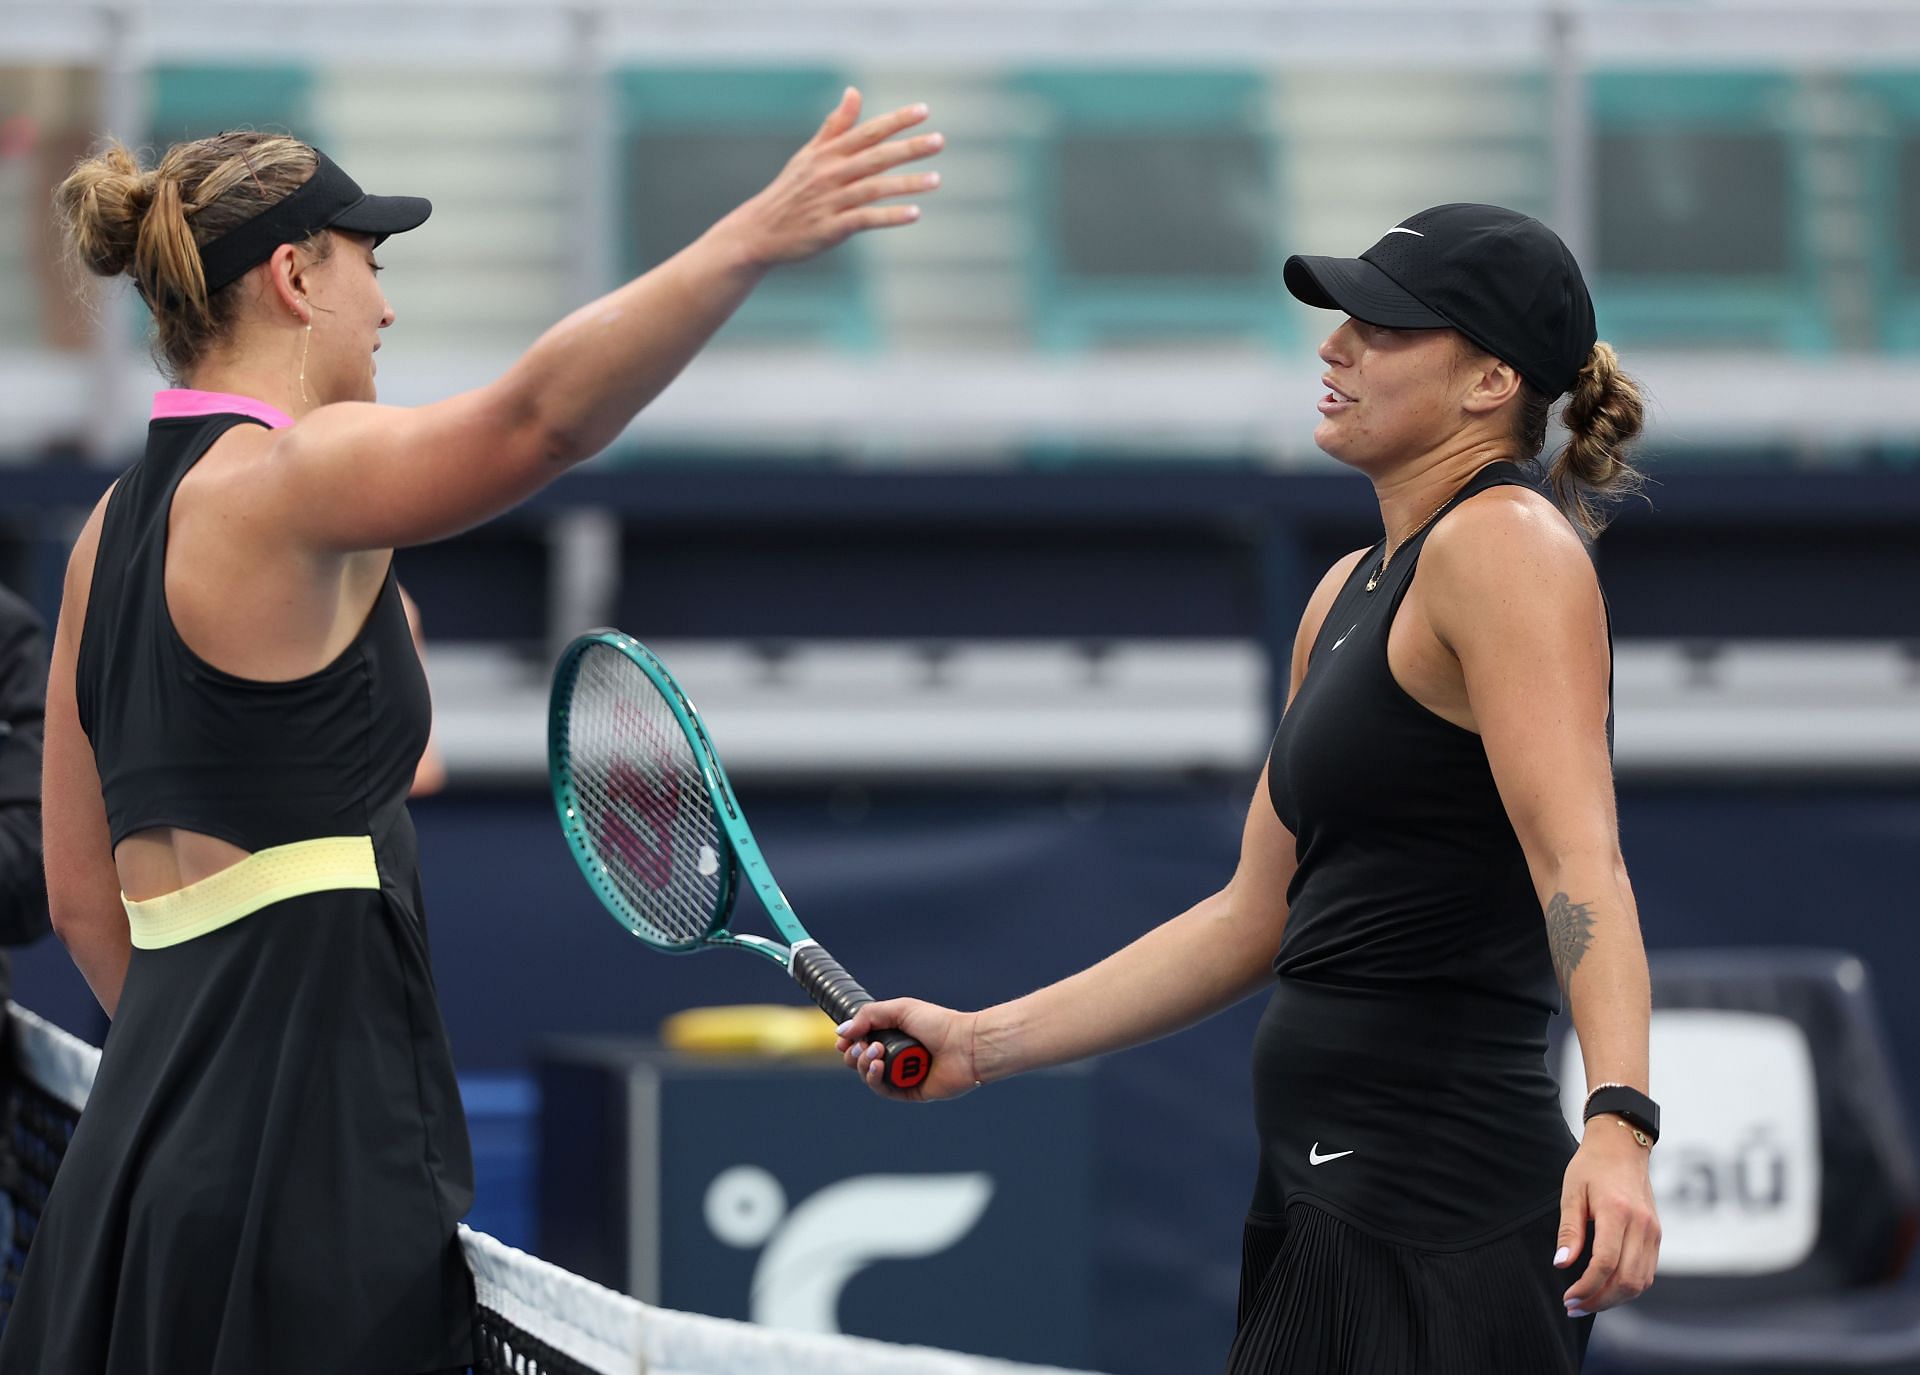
(1335, 399)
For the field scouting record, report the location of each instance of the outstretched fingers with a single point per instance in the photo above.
(890, 155)
(841, 118)
(882, 188)
(852, 140)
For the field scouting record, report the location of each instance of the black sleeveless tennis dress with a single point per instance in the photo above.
(1412, 1146)
(273, 1164)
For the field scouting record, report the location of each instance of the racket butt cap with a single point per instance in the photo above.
(906, 1068)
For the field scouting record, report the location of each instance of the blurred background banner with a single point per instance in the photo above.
(981, 547)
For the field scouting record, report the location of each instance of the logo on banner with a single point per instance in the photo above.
(814, 1250)
(1736, 1175)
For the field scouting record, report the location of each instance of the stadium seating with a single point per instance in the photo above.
(1703, 209)
(691, 145)
(1152, 207)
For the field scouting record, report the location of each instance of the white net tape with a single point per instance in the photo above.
(616, 1335)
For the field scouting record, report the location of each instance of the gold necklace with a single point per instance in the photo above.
(1387, 555)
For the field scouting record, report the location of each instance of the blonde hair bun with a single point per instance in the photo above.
(151, 224)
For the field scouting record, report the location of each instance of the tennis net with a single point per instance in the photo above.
(530, 1318)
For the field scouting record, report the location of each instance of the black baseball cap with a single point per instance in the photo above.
(1501, 278)
(329, 199)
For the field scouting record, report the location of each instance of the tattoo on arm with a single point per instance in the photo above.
(1569, 933)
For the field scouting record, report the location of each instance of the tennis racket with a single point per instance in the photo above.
(652, 820)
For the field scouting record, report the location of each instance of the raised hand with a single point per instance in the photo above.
(828, 190)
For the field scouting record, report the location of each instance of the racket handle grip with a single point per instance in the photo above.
(839, 996)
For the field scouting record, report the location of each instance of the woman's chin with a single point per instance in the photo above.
(1331, 439)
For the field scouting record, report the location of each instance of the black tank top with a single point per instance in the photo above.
(180, 743)
(1400, 1078)
(1409, 870)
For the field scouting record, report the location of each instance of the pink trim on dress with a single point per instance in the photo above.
(182, 403)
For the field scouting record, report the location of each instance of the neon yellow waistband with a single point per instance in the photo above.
(260, 880)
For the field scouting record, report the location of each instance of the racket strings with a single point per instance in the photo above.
(642, 803)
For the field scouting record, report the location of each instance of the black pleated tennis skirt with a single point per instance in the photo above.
(1320, 1296)
(268, 1176)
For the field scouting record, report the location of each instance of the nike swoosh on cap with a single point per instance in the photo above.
(1402, 229)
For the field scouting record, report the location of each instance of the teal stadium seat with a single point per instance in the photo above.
(1892, 161)
(1154, 214)
(692, 145)
(1700, 203)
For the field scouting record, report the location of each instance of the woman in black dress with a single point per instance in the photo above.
(270, 1171)
(1440, 782)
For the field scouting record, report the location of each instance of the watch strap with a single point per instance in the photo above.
(1630, 1104)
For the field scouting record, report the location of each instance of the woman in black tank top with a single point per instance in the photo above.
(273, 1162)
(1430, 865)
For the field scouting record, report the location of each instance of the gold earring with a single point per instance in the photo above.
(306, 342)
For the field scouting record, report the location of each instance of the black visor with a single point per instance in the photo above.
(329, 199)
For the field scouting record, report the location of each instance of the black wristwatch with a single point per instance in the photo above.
(1629, 1104)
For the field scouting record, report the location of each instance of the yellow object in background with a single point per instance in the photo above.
(750, 1029)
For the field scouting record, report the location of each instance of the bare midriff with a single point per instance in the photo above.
(166, 859)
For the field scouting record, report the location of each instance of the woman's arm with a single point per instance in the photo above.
(362, 476)
(1509, 589)
(1208, 958)
(83, 888)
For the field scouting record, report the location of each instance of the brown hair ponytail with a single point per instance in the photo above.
(1602, 417)
(151, 225)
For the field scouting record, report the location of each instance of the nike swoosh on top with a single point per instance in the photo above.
(1343, 639)
(1315, 1158)
(1402, 229)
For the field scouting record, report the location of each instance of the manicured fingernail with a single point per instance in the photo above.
(920, 109)
(1559, 1257)
(845, 1026)
(932, 179)
(1577, 1313)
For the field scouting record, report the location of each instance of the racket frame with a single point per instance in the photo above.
(826, 981)
(742, 851)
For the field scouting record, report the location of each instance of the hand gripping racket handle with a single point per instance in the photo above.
(840, 997)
